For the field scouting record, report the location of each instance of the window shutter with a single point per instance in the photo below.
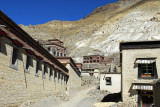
(155, 71)
(139, 70)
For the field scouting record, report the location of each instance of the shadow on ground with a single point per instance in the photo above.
(115, 97)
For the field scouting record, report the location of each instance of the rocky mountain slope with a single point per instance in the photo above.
(102, 30)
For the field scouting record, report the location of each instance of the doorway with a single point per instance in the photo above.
(146, 98)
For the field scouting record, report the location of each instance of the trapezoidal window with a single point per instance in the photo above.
(50, 74)
(28, 61)
(45, 71)
(14, 59)
(61, 54)
(55, 75)
(108, 80)
(37, 68)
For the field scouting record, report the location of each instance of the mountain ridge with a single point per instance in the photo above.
(102, 30)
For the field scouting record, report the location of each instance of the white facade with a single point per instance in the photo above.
(96, 73)
(115, 85)
(85, 74)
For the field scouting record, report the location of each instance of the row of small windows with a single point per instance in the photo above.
(14, 65)
(62, 50)
(58, 54)
(90, 61)
(15, 54)
(89, 58)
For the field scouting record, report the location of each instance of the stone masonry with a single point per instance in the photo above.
(16, 86)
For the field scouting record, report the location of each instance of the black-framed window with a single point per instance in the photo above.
(28, 62)
(37, 68)
(55, 75)
(45, 70)
(50, 74)
(59, 76)
(49, 48)
(14, 58)
(91, 74)
(108, 81)
(54, 53)
(147, 71)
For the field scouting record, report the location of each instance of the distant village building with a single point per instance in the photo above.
(110, 81)
(98, 63)
(107, 60)
(92, 59)
(79, 65)
(27, 70)
(140, 62)
(55, 47)
(90, 72)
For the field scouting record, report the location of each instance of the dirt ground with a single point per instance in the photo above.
(85, 96)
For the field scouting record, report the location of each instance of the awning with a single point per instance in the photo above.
(142, 87)
(145, 61)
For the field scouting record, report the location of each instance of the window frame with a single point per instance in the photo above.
(61, 54)
(55, 75)
(108, 82)
(15, 64)
(45, 70)
(50, 74)
(153, 74)
(27, 70)
(37, 68)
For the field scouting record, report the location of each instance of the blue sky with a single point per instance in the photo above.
(32, 12)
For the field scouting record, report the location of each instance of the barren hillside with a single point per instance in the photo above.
(102, 30)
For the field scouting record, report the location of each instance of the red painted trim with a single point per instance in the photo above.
(2, 33)
(17, 43)
(51, 65)
(29, 51)
(39, 57)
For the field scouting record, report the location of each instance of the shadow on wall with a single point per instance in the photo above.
(132, 92)
(115, 97)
